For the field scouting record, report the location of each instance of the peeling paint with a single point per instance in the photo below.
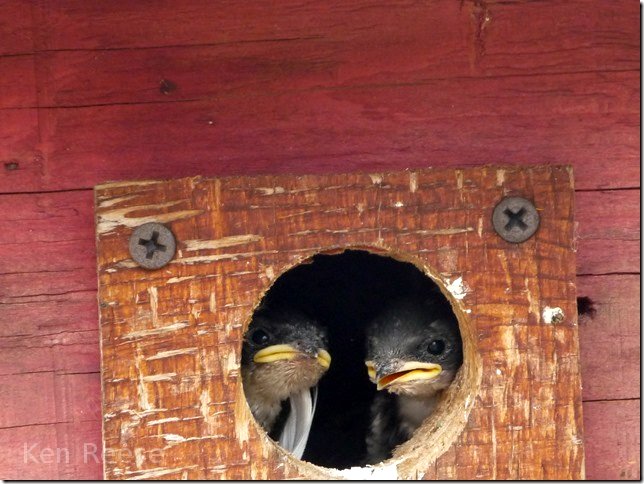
(218, 257)
(376, 178)
(175, 280)
(270, 191)
(154, 305)
(212, 302)
(192, 245)
(413, 182)
(552, 315)
(270, 273)
(144, 401)
(458, 230)
(148, 332)
(500, 177)
(159, 377)
(162, 421)
(110, 202)
(457, 288)
(131, 183)
(173, 438)
(111, 219)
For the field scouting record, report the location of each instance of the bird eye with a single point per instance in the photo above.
(436, 347)
(260, 337)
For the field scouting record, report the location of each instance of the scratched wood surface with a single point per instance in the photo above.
(173, 405)
(299, 87)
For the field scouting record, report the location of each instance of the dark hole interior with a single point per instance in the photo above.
(344, 292)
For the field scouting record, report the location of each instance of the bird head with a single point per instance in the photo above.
(414, 347)
(284, 352)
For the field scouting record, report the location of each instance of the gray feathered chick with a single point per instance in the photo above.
(284, 355)
(414, 351)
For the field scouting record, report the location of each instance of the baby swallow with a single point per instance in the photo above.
(414, 350)
(284, 355)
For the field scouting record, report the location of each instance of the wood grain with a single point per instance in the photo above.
(610, 337)
(51, 55)
(609, 231)
(613, 438)
(371, 128)
(171, 339)
(474, 32)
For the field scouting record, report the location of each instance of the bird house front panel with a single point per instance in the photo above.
(184, 267)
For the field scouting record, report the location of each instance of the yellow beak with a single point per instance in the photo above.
(324, 358)
(288, 352)
(371, 370)
(411, 371)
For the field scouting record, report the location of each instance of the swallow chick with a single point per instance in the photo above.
(284, 355)
(414, 351)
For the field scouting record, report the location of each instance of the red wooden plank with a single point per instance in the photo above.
(54, 451)
(18, 82)
(558, 36)
(492, 37)
(21, 161)
(48, 251)
(609, 231)
(610, 340)
(15, 27)
(500, 121)
(75, 78)
(612, 440)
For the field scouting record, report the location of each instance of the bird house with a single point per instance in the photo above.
(171, 333)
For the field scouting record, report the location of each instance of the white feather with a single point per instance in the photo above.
(296, 430)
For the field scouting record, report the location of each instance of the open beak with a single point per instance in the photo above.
(288, 352)
(410, 371)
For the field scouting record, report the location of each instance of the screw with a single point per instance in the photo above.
(152, 245)
(515, 219)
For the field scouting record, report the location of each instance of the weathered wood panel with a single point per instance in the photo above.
(504, 43)
(610, 338)
(609, 231)
(171, 339)
(611, 444)
(380, 127)
(50, 304)
(386, 89)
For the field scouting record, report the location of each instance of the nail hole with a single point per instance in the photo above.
(11, 165)
(586, 307)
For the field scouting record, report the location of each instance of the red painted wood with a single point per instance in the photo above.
(610, 339)
(439, 41)
(299, 87)
(612, 439)
(69, 450)
(18, 82)
(507, 120)
(16, 27)
(567, 36)
(609, 231)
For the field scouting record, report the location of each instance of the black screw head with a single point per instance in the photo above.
(152, 245)
(515, 219)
